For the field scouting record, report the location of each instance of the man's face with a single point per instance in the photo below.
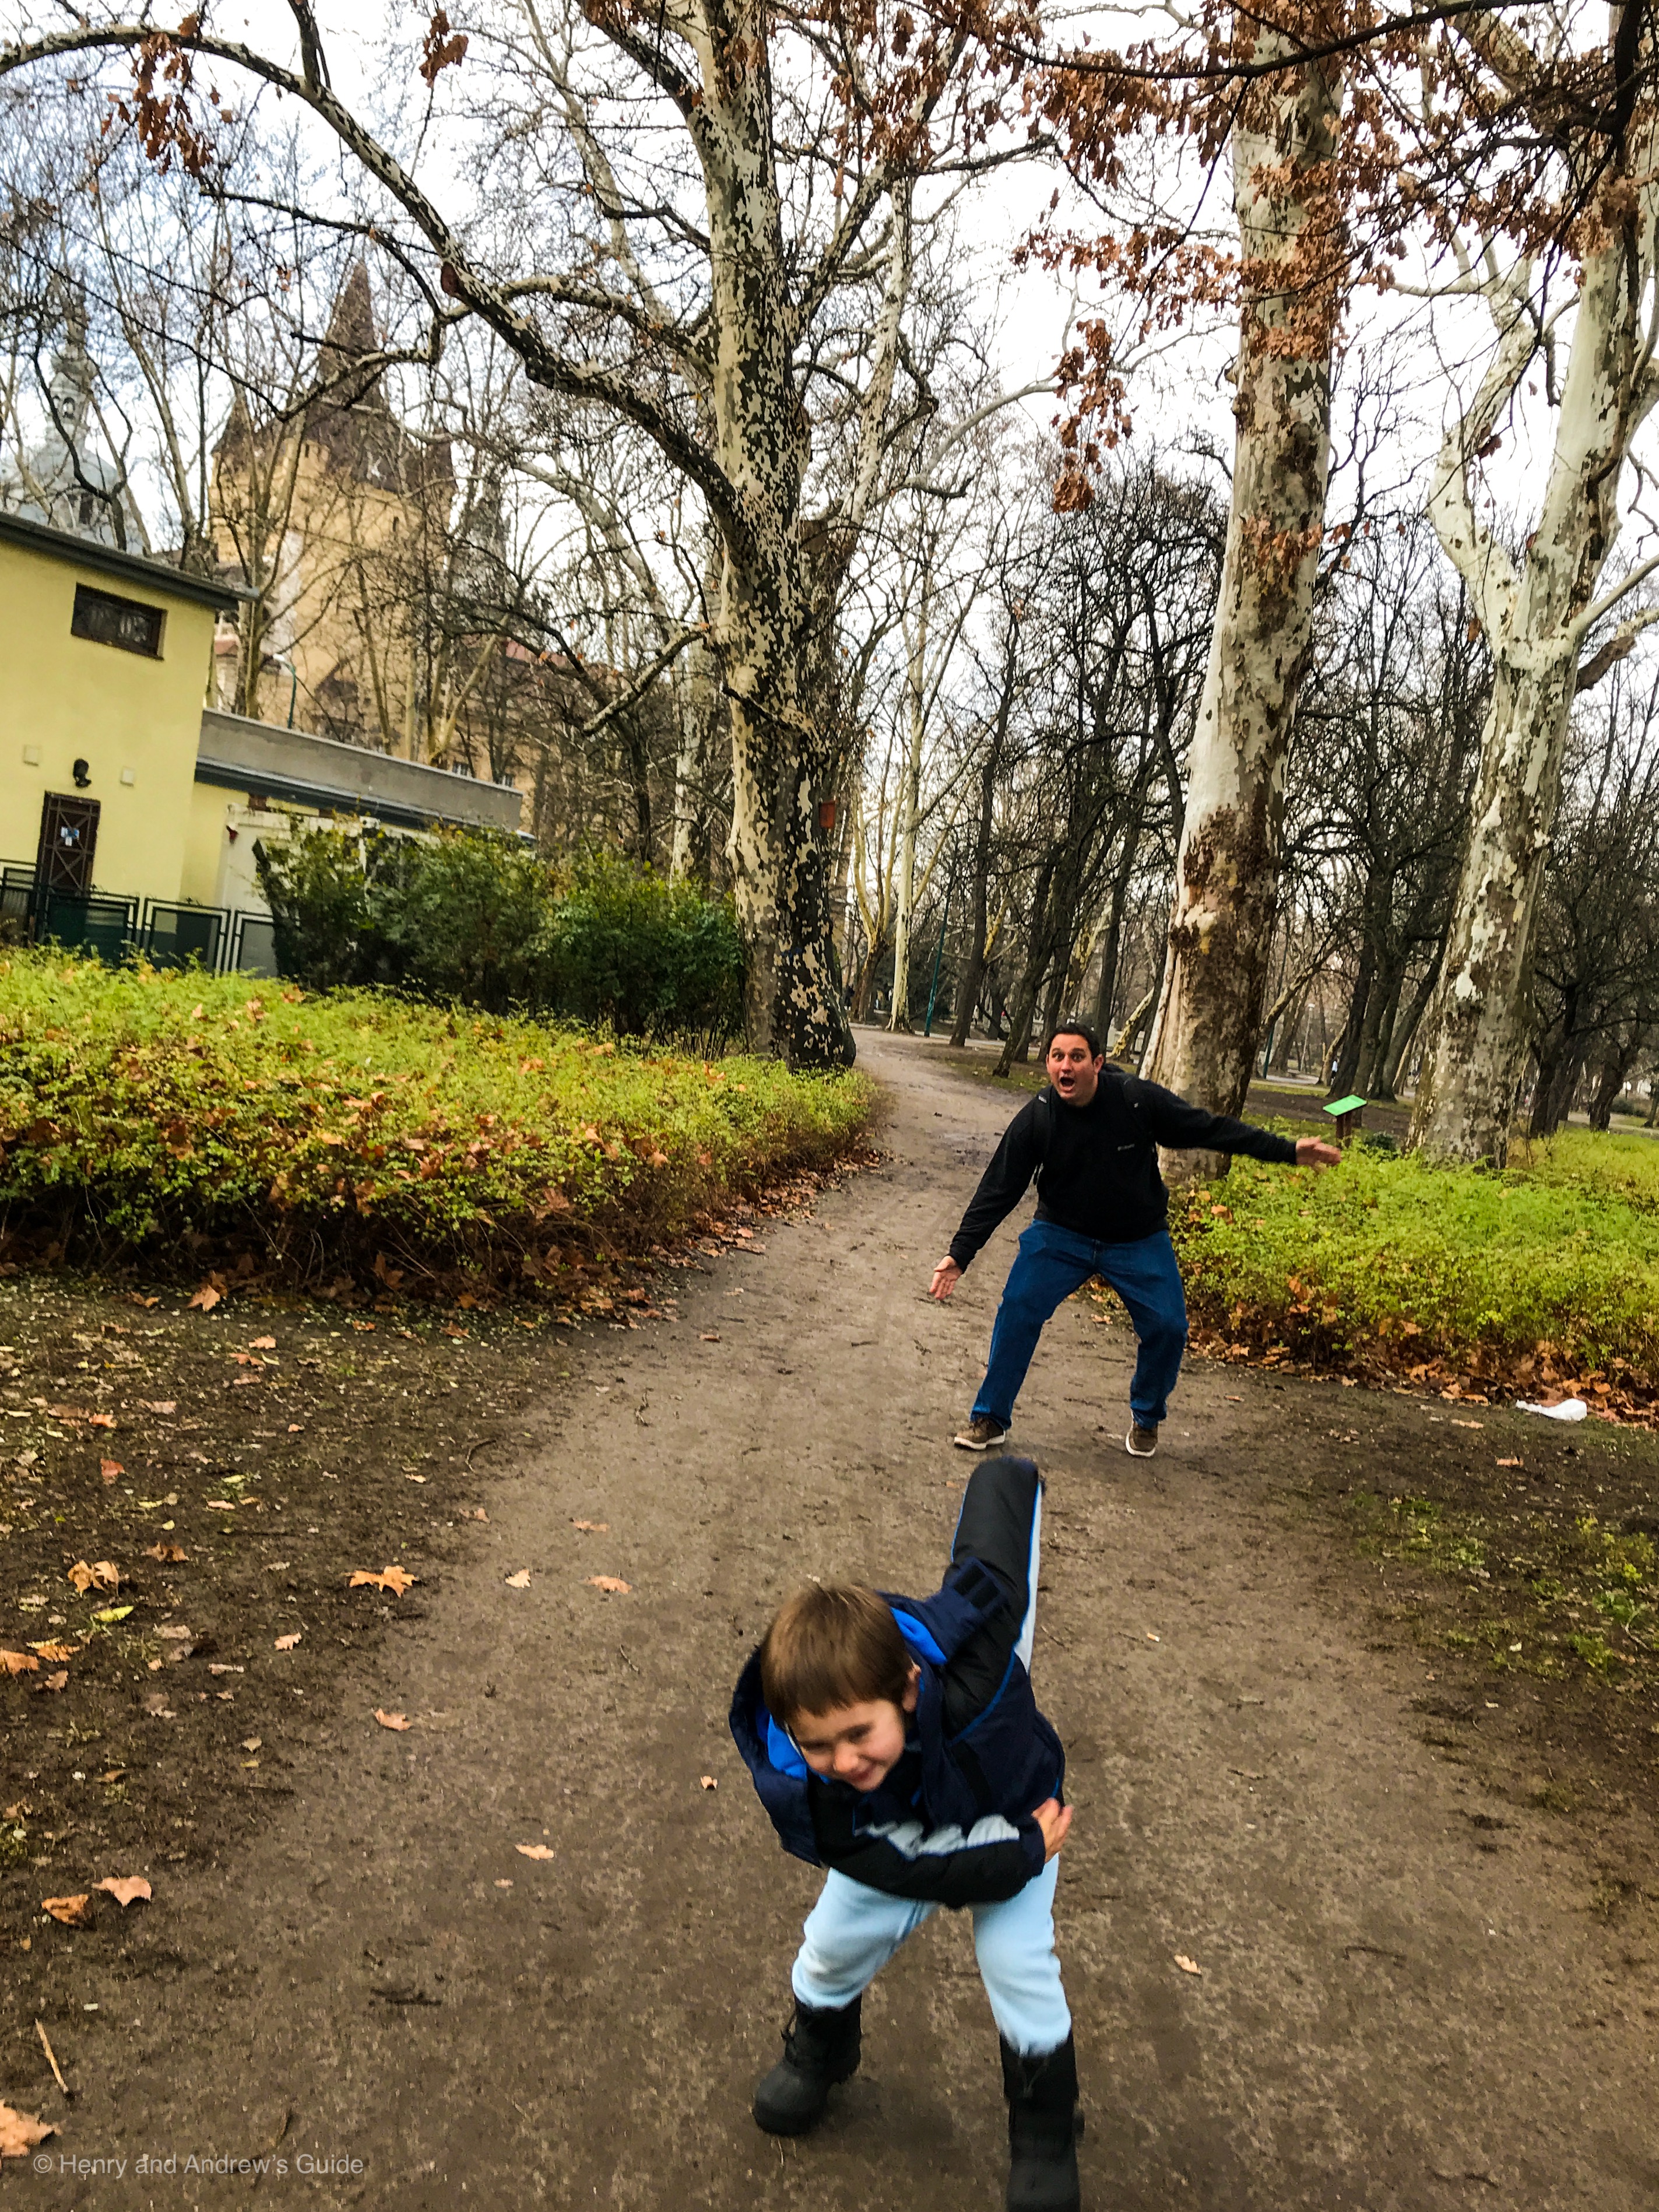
(1073, 1068)
(859, 1745)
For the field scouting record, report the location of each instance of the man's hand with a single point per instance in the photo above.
(1056, 1821)
(1315, 1153)
(946, 1276)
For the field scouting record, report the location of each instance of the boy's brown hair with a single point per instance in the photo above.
(831, 1645)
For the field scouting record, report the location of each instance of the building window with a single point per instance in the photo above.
(107, 620)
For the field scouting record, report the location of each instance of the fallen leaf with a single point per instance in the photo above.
(160, 1405)
(165, 1552)
(102, 1574)
(534, 1850)
(58, 1682)
(100, 1420)
(709, 1336)
(1152, 1638)
(476, 1513)
(220, 1504)
(207, 1297)
(20, 2132)
(390, 1578)
(610, 1583)
(110, 1614)
(707, 1782)
(593, 1528)
(109, 1469)
(263, 1343)
(1466, 1424)
(391, 1720)
(56, 1654)
(288, 1643)
(71, 1911)
(1508, 1462)
(502, 1884)
(125, 1887)
(450, 1330)
(254, 1743)
(520, 1581)
(1187, 1966)
(20, 1663)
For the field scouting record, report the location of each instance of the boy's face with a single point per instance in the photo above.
(1073, 1068)
(860, 1744)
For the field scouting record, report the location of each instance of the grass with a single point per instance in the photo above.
(142, 1111)
(1545, 1275)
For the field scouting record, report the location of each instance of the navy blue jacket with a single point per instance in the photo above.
(952, 1822)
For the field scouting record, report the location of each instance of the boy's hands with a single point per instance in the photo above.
(1056, 1821)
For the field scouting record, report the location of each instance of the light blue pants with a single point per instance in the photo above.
(853, 1931)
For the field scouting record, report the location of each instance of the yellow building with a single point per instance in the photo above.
(129, 810)
(105, 661)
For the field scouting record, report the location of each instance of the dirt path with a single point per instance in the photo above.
(1391, 2012)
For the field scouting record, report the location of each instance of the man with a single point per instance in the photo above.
(1092, 1138)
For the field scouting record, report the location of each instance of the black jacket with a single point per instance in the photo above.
(1097, 1165)
(952, 1821)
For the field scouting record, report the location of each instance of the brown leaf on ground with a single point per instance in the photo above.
(102, 1574)
(709, 1336)
(165, 1552)
(707, 1782)
(160, 1405)
(20, 2132)
(71, 1911)
(1187, 1966)
(207, 1297)
(58, 1682)
(610, 1583)
(288, 1643)
(111, 1469)
(125, 1887)
(20, 1663)
(593, 1528)
(1508, 1462)
(55, 1655)
(263, 1343)
(520, 1581)
(389, 1579)
(100, 1420)
(533, 1850)
(392, 1720)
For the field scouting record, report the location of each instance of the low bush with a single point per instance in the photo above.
(480, 920)
(1548, 1273)
(144, 1111)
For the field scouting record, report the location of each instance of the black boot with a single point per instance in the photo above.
(820, 2048)
(1042, 2127)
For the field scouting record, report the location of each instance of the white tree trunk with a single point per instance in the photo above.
(910, 796)
(1535, 615)
(1227, 871)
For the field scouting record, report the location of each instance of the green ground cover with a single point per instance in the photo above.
(1546, 1274)
(145, 1112)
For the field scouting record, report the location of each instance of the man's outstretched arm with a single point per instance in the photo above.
(1001, 1187)
(1183, 1128)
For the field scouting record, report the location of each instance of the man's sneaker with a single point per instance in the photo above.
(981, 1433)
(820, 2048)
(1140, 1442)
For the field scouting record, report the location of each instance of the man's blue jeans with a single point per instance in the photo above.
(1054, 1262)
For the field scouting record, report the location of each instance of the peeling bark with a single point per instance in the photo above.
(1536, 614)
(1204, 1038)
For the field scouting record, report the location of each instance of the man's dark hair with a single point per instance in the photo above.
(1084, 1029)
(831, 1645)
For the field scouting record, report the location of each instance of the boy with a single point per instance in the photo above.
(897, 1742)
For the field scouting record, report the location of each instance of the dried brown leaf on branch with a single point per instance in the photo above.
(394, 1579)
(125, 1888)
